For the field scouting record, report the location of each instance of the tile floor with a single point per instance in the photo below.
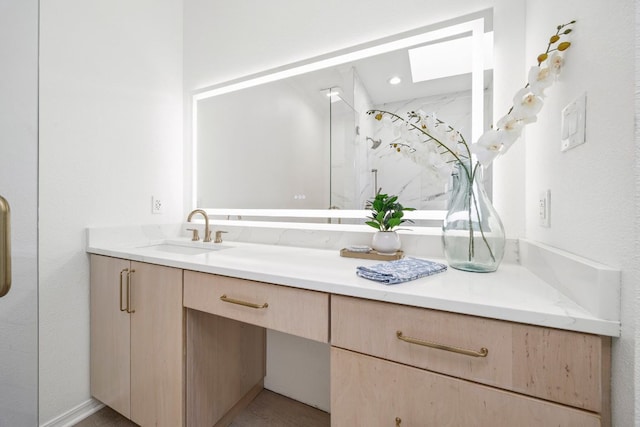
(269, 409)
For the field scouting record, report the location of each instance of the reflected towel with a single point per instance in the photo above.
(401, 270)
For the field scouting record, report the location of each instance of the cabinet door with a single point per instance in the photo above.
(110, 335)
(156, 345)
(367, 391)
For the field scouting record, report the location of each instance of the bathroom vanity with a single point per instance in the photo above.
(178, 337)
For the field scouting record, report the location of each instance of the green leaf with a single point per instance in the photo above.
(394, 222)
(373, 224)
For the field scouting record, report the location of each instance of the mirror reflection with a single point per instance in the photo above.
(306, 142)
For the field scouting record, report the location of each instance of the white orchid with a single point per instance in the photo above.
(555, 64)
(540, 79)
(420, 131)
(512, 128)
(438, 166)
(389, 125)
(488, 146)
(526, 105)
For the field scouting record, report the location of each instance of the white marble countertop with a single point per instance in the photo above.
(512, 293)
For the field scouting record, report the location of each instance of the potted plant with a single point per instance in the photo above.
(386, 214)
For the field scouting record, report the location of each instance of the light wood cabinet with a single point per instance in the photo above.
(137, 341)
(226, 339)
(568, 368)
(299, 312)
(368, 391)
(110, 335)
(174, 348)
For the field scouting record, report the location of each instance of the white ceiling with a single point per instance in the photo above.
(375, 71)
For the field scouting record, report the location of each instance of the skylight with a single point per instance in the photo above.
(426, 64)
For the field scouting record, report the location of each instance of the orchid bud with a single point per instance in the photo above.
(542, 57)
(564, 46)
(554, 38)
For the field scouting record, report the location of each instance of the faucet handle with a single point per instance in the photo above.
(219, 236)
(195, 237)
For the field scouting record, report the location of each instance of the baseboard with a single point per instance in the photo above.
(75, 415)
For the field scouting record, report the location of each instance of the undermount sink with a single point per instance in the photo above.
(184, 249)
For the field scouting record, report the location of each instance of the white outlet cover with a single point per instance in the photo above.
(574, 123)
(544, 208)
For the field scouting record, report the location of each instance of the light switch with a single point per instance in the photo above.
(574, 123)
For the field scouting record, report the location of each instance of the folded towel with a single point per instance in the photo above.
(401, 270)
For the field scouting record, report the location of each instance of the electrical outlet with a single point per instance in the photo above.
(156, 205)
(544, 208)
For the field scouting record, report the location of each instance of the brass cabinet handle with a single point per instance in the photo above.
(129, 286)
(244, 303)
(5, 247)
(121, 273)
(482, 353)
(398, 421)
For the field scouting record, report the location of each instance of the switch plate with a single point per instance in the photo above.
(574, 123)
(544, 208)
(157, 206)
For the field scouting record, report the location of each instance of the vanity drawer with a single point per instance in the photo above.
(367, 391)
(295, 311)
(562, 366)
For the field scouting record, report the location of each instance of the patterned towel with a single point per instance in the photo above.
(401, 270)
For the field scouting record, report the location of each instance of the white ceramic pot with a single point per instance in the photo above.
(386, 242)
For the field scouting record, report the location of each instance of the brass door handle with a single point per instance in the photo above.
(482, 353)
(129, 286)
(5, 247)
(244, 303)
(126, 270)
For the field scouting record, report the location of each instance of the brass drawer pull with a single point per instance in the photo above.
(5, 247)
(244, 303)
(482, 353)
(398, 421)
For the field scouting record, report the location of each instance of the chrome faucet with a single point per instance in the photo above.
(207, 231)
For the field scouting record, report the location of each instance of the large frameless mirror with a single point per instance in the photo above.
(298, 138)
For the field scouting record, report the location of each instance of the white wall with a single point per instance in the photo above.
(593, 187)
(19, 185)
(110, 138)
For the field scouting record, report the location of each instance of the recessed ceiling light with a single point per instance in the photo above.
(334, 94)
(395, 80)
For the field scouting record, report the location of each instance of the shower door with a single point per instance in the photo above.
(19, 186)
